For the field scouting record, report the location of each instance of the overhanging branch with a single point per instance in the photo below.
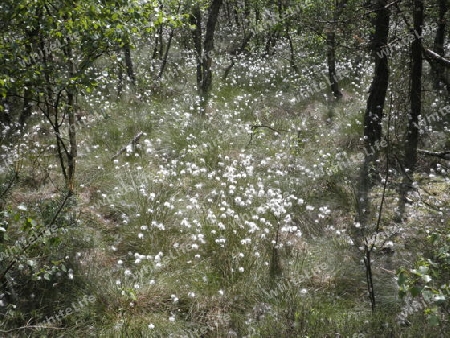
(441, 154)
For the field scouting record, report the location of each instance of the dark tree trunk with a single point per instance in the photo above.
(246, 10)
(196, 20)
(71, 153)
(439, 39)
(208, 47)
(157, 53)
(331, 48)
(119, 78)
(374, 112)
(27, 104)
(331, 61)
(236, 52)
(372, 141)
(32, 36)
(412, 137)
(292, 54)
(438, 46)
(4, 112)
(25, 114)
(379, 86)
(416, 89)
(129, 63)
(166, 54)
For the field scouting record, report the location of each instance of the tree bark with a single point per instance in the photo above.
(331, 61)
(416, 89)
(196, 20)
(129, 64)
(380, 82)
(208, 47)
(32, 36)
(203, 55)
(166, 54)
(438, 46)
(412, 137)
(374, 113)
(331, 47)
(119, 78)
(73, 148)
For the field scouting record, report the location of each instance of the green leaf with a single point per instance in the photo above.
(402, 277)
(415, 291)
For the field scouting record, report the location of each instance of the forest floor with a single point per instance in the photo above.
(234, 224)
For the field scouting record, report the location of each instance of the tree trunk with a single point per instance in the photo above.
(71, 156)
(206, 57)
(196, 19)
(378, 89)
(158, 43)
(416, 89)
(331, 48)
(331, 61)
(374, 113)
(412, 137)
(72, 153)
(438, 46)
(236, 52)
(166, 54)
(129, 64)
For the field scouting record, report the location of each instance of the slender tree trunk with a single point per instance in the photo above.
(27, 104)
(72, 153)
(374, 114)
(412, 137)
(236, 52)
(159, 45)
(5, 119)
(27, 96)
(372, 140)
(439, 41)
(208, 47)
(331, 61)
(196, 20)
(129, 64)
(119, 78)
(331, 47)
(416, 89)
(166, 54)
(246, 10)
(32, 36)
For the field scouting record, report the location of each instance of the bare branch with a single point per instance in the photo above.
(436, 57)
(133, 143)
(441, 154)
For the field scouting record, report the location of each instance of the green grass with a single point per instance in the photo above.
(189, 233)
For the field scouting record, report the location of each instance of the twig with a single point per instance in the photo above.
(441, 154)
(133, 143)
(435, 56)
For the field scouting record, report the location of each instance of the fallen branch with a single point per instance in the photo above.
(441, 154)
(133, 143)
(436, 57)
